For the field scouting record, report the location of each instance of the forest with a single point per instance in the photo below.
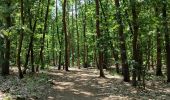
(84, 49)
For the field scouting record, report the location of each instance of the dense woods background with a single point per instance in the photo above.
(129, 36)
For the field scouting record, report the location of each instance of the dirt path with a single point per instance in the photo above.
(80, 84)
(85, 84)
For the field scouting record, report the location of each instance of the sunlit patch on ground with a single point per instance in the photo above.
(63, 85)
(1, 96)
(81, 84)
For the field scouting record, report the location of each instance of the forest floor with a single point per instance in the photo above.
(79, 84)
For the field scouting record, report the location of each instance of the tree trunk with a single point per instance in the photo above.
(59, 38)
(135, 42)
(65, 34)
(125, 67)
(106, 31)
(68, 33)
(5, 67)
(72, 37)
(53, 46)
(30, 49)
(159, 57)
(20, 41)
(167, 45)
(77, 31)
(148, 53)
(43, 38)
(2, 56)
(100, 53)
(85, 63)
(116, 57)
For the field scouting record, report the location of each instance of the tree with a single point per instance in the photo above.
(2, 53)
(159, 49)
(30, 51)
(65, 34)
(72, 36)
(20, 40)
(78, 36)
(125, 66)
(43, 38)
(100, 52)
(135, 41)
(166, 34)
(85, 63)
(5, 67)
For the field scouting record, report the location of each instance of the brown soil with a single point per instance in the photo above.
(82, 84)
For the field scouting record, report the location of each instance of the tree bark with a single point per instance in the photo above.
(100, 53)
(5, 67)
(167, 45)
(159, 50)
(2, 56)
(65, 34)
(78, 37)
(125, 67)
(20, 41)
(72, 37)
(85, 63)
(43, 38)
(135, 42)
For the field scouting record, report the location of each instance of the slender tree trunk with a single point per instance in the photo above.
(159, 57)
(125, 66)
(135, 42)
(148, 53)
(65, 34)
(140, 62)
(2, 56)
(43, 38)
(167, 45)
(7, 57)
(5, 67)
(53, 46)
(30, 48)
(77, 31)
(59, 39)
(100, 65)
(152, 59)
(116, 57)
(20, 41)
(72, 37)
(60, 53)
(68, 33)
(32, 59)
(85, 64)
(106, 31)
